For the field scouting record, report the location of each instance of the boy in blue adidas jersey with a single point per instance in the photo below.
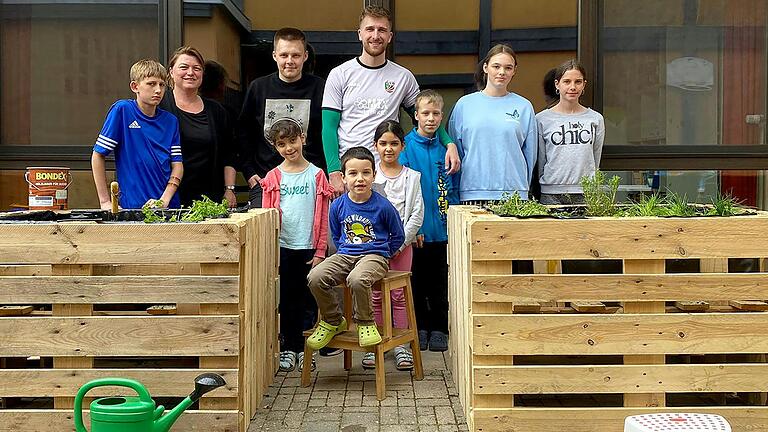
(145, 140)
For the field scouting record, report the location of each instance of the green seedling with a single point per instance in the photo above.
(648, 205)
(724, 205)
(678, 205)
(513, 205)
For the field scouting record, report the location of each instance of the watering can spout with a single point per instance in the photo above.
(203, 384)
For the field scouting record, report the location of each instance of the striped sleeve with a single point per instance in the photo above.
(111, 133)
(176, 143)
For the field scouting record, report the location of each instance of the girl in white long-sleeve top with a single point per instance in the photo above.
(402, 187)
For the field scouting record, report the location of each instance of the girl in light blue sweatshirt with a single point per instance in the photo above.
(495, 131)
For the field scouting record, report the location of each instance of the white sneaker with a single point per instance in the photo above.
(287, 361)
(300, 360)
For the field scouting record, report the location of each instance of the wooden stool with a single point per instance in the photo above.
(390, 337)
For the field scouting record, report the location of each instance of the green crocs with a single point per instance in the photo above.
(368, 335)
(323, 334)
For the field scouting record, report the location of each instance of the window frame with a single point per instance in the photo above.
(620, 157)
(16, 156)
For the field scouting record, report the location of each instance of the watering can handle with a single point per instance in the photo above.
(103, 382)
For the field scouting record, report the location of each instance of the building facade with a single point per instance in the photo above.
(681, 83)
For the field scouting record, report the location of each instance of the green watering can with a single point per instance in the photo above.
(136, 414)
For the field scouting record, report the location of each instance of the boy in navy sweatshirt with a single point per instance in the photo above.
(424, 153)
(367, 231)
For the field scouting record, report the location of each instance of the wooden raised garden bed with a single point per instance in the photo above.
(534, 349)
(91, 285)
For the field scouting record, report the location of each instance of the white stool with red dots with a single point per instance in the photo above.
(674, 422)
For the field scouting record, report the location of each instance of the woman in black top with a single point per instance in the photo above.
(206, 135)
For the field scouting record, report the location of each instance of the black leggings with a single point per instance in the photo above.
(430, 286)
(297, 306)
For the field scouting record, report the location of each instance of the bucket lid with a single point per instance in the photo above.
(47, 168)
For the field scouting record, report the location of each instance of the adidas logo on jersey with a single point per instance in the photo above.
(134, 125)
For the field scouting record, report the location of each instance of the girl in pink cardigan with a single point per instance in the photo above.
(300, 191)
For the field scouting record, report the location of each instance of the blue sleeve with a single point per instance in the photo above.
(333, 221)
(175, 142)
(396, 233)
(454, 128)
(403, 159)
(531, 145)
(111, 135)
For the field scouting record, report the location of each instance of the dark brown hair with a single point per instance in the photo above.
(389, 126)
(284, 128)
(571, 64)
(290, 34)
(480, 76)
(358, 152)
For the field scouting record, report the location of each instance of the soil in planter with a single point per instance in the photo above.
(104, 216)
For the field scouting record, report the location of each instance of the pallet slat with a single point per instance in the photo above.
(677, 378)
(621, 287)
(622, 238)
(119, 336)
(66, 382)
(602, 419)
(711, 333)
(63, 421)
(118, 289)
(128, 243)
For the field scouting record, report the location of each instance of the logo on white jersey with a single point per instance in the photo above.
(389, 86)
(134, 125)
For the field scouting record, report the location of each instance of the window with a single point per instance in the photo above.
(681, 83)
(61, 67)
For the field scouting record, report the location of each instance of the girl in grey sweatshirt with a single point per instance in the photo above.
(570, 139)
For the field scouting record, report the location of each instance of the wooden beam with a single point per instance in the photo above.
(626, 238)
(61, 420)
(620, 334)
(753, 418)
(118, 289)
(622, 287)
(81, 243)
(120, 336)
(66, 382)
(672, 378)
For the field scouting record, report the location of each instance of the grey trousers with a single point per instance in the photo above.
(360, 273)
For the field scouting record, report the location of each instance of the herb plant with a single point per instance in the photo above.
(600, 194)
(205, 208)
(513, 205)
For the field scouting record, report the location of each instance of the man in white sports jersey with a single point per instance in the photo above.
(365, 91)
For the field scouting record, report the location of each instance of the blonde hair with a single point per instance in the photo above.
(148, 68)
(186, 50)
(429, 96)
(375, 11)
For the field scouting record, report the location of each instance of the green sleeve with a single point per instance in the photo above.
(331, 120)
(444, 137)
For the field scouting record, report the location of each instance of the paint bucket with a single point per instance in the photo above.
(48, 187)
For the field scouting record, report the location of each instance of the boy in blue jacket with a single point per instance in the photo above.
(367, 231)
(425, 153)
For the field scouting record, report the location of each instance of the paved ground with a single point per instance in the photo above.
(346, 401)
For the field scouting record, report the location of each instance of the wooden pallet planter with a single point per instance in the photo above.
(561, 369)
(91, 284)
